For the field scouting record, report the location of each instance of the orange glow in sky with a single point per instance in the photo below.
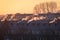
(21, 6)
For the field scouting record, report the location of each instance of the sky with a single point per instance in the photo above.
(20, 6)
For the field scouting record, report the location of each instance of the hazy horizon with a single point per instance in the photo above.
(20, 6)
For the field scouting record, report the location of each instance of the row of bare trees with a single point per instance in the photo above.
(45, 7)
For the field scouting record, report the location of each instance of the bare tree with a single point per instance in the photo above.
(36, 9)
(52, 6)
(42, 7)
(47, 6)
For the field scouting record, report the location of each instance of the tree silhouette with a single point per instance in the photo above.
(52, 6)
(42, 6)
(36, 9)
(49, 6)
